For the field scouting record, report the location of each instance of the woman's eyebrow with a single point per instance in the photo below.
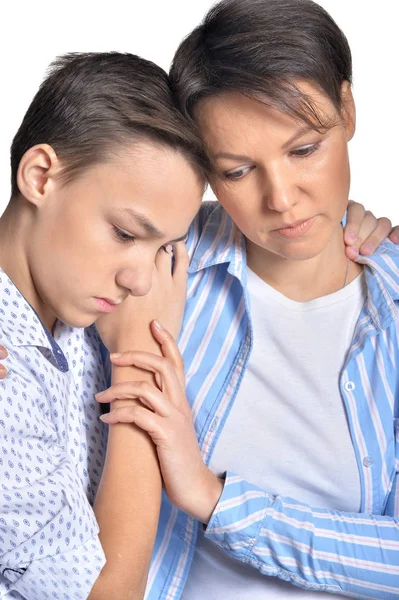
(298, 134)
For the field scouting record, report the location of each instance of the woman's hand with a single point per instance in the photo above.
(128, 327)
(364, 232)
(3, 355)
(164, 413)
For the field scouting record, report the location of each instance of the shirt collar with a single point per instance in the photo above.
(220, 242)
(22, 326)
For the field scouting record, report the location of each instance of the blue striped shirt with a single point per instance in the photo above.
(353, 554)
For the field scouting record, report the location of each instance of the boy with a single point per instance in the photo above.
(105, 174)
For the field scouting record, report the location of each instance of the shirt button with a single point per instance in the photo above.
(368, 461)
(349, 386)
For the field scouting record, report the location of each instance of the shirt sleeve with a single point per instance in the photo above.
(49, 544)
(351, 554)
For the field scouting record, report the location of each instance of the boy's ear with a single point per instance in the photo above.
(348, 109)
(36, 172)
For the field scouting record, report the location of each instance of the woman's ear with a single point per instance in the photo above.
(36, 171)
(348, 109)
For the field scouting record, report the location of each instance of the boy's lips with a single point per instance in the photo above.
(106, 305)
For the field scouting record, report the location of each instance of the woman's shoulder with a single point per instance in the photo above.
(382, 269)
(211, 221)
(387, 253)
(209, 208)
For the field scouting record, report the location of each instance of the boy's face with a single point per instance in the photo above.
(95, 239)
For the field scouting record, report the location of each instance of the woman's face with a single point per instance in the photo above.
(285, 185)
(97, 238)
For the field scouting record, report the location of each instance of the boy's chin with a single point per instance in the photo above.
(77, 319)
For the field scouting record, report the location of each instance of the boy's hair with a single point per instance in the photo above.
(262, 48)
(92, 103)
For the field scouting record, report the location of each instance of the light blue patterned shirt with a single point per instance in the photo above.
(352, 554)
(52, 450)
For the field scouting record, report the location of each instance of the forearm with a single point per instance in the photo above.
(127, 506)
(350, 554)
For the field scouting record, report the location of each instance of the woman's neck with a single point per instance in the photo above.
(305, 280)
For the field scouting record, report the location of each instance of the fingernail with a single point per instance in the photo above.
(3, 352)
(104, 418)
(350, 236)
(99, 394)
(367, 248)
(352, 253)
(115, 355)
(157, 324)
(394, 239)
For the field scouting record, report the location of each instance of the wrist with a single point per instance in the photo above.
(207, 499)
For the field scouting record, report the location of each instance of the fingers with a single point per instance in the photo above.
(140, 416)
(394, 235)
(377, 235)
(182, 262)
(163, 260)
(368, 225)
(3, 355)
(355, 216)
(170, 383)
(169, 349)
(147, 393)
(364, 232)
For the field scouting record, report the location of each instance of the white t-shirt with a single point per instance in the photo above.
(287, 431)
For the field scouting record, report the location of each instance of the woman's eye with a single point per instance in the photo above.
(123, 236)
(305, 150)
(238, 173)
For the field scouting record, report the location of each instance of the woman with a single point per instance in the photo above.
(290, 350)
(122, 461)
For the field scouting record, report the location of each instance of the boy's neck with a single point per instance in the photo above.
(15, 226)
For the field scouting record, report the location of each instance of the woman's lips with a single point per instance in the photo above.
(297, 230)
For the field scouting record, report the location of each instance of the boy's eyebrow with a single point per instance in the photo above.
(232, 156)
(147, 225)
(150, 228)
(180, 239)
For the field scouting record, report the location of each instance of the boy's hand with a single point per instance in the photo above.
(3, 355)
(164, 413)
(128, 327)
(364, 232)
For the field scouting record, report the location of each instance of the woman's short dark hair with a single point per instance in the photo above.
(91, 103)
(261, 48)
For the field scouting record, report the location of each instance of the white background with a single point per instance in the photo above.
(33, 33)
